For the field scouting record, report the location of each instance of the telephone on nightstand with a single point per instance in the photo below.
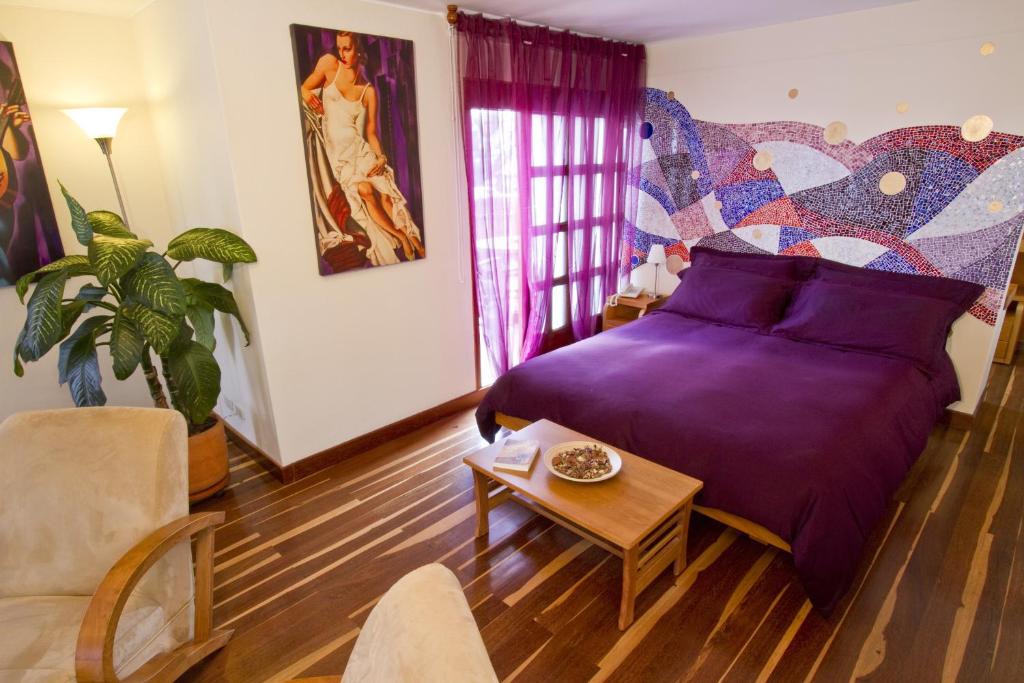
(630, 292)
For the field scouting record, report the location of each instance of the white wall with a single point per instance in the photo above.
(855, 68)
(183, 89)
(68, 60)
(352, 352)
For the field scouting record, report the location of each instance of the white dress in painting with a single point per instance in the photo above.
(351, 159)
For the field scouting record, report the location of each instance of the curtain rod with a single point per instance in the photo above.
(453, 17)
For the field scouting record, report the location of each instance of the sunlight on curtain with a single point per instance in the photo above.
(495, 196)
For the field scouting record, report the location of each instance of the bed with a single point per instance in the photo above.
(799, 443)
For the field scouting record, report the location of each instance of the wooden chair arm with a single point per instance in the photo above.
(94, 657)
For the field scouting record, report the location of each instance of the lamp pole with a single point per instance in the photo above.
(107, 147)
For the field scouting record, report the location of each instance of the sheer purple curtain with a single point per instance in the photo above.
(550, 126)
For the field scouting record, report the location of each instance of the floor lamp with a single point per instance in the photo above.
(100, 123)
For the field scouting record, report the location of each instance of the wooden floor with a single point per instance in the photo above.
(940, 594)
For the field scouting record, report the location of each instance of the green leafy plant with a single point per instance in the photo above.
(139, 308)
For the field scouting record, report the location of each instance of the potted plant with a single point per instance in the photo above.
(135, 304)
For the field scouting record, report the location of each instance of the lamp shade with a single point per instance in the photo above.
(97, 122)
(656, 255)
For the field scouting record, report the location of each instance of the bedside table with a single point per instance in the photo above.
(629, 309)
(1009, 333)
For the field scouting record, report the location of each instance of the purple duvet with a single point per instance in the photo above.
(808, 440)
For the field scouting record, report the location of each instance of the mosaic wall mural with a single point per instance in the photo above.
(933, 200)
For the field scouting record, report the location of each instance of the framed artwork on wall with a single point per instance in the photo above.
(29, 237)
(357, 98)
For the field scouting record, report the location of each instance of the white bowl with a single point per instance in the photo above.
(613, 457)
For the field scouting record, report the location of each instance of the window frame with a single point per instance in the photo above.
(499, 97)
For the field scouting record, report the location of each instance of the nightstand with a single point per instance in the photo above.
(629, 309)
(1009, 333)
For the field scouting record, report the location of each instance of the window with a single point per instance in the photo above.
(550, 172)
(548, 132)
(552, 210)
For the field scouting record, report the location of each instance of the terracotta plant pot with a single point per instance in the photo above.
(207, 462)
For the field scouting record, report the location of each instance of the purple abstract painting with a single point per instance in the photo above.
(28, 228)
(357, 98)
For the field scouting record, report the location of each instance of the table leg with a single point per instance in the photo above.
(629, 576)
(481, 486)
(684, 533)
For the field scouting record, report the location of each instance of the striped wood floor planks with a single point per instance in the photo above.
(940, 595)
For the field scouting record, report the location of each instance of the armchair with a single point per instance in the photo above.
(421, 631)
(96, 573)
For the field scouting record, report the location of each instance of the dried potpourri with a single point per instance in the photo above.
(582, 462)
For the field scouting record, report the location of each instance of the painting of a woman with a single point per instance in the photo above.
(29, 237)
(359, 120)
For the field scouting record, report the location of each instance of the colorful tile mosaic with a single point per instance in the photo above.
(959, 213)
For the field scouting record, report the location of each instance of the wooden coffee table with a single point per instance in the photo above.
(641, 515)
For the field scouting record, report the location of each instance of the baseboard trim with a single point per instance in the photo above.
(318, 461)
(257, 453)
(958, 420)
(335, 454)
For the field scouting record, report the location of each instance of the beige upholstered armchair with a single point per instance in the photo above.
(96, 574)
(421, 631)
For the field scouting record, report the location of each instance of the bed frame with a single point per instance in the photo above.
(752, 529)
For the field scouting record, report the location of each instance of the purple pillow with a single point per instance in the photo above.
(785, 267)
(888, 323)
(733, 297)
(958, 292)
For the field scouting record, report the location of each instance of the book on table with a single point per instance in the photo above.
(517, 455)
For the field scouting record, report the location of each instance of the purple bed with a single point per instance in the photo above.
(808, 439)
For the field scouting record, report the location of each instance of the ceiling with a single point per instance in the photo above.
(123, 8)
(637, 20)
(651, 20)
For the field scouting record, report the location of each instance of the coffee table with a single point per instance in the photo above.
(641, 515)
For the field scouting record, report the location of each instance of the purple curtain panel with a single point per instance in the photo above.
(550, 122)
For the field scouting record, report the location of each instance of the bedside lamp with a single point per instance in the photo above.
(100, 123)
(656, 255)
